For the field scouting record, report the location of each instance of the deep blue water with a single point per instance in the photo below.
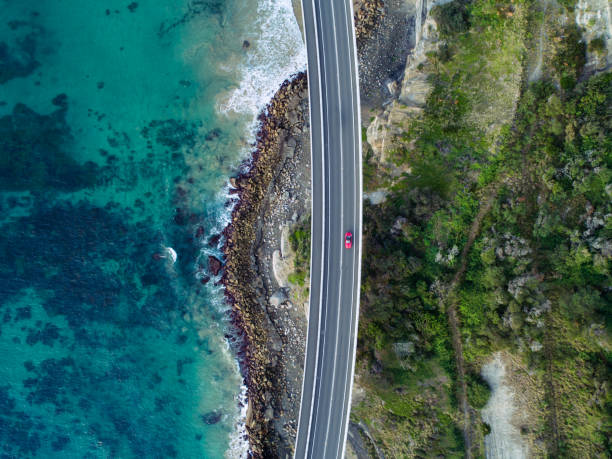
(117, 136)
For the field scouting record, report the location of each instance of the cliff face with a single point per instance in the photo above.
(384, 43)
(595, 18)
(407, 95)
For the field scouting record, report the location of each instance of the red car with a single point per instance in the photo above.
(348, 240)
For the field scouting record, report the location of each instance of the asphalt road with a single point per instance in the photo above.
(336, 209)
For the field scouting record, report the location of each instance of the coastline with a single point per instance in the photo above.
(259, 339)
(269, 339)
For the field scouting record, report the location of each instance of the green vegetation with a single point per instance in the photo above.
(571, 57)
(298, 278)
(452, 18)
(478, 391)
(531, 164)
(373, 176)
(300, 243)
(597, 45)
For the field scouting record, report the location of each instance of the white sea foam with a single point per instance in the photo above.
(278, 53)
(239, 446)
(171, 253)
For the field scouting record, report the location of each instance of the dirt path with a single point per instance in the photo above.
(552, 398)
(450, 302)
(533, 188)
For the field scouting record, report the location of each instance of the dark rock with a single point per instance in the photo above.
(214, 265)
(212, 417)
(214, 240)
(204, 280)
(180, 217)
(36, 154)
(18, 62)
(61, 100)
(214, 134)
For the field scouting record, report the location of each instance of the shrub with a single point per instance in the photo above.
(478, 391)
(452, 18)
(597, 45)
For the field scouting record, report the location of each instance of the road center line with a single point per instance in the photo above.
(322, 334)
(322, 233)
(339, 298)
(355, 96)
(345, 412)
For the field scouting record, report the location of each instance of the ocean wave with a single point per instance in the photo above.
(278, 53)
(275, 55)
(239, 444)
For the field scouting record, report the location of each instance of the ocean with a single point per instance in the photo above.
(120, 123)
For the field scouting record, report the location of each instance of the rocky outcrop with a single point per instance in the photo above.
(410, 94)
(383, 44)
(368, 15)
(214, 265)
(595, 18)
(513, 411)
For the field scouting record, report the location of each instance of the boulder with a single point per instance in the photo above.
(212, 417)
(214, 240)
(278, 297)
(214, 265)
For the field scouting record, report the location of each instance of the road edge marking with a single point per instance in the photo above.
(339, 303)
(360, 207)
(310, 303)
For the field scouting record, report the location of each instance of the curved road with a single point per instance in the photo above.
(336, 208)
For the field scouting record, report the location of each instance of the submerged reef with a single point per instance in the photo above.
(35, 151)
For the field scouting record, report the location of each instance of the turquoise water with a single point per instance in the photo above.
(120, 122)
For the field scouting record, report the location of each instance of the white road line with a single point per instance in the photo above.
(346, 414)
(321, 345)
(320, 302)
(359, 203)
(339, 302)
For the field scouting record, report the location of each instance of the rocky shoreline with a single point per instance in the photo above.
(269, 318)
(271, 196)
(269, 331)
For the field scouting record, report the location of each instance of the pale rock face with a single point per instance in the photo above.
(414, 87)
(283, 260)
(281, 269)
(278, 297)
(376, 197)
(504, 441)
(595, 17)
(285, 250)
